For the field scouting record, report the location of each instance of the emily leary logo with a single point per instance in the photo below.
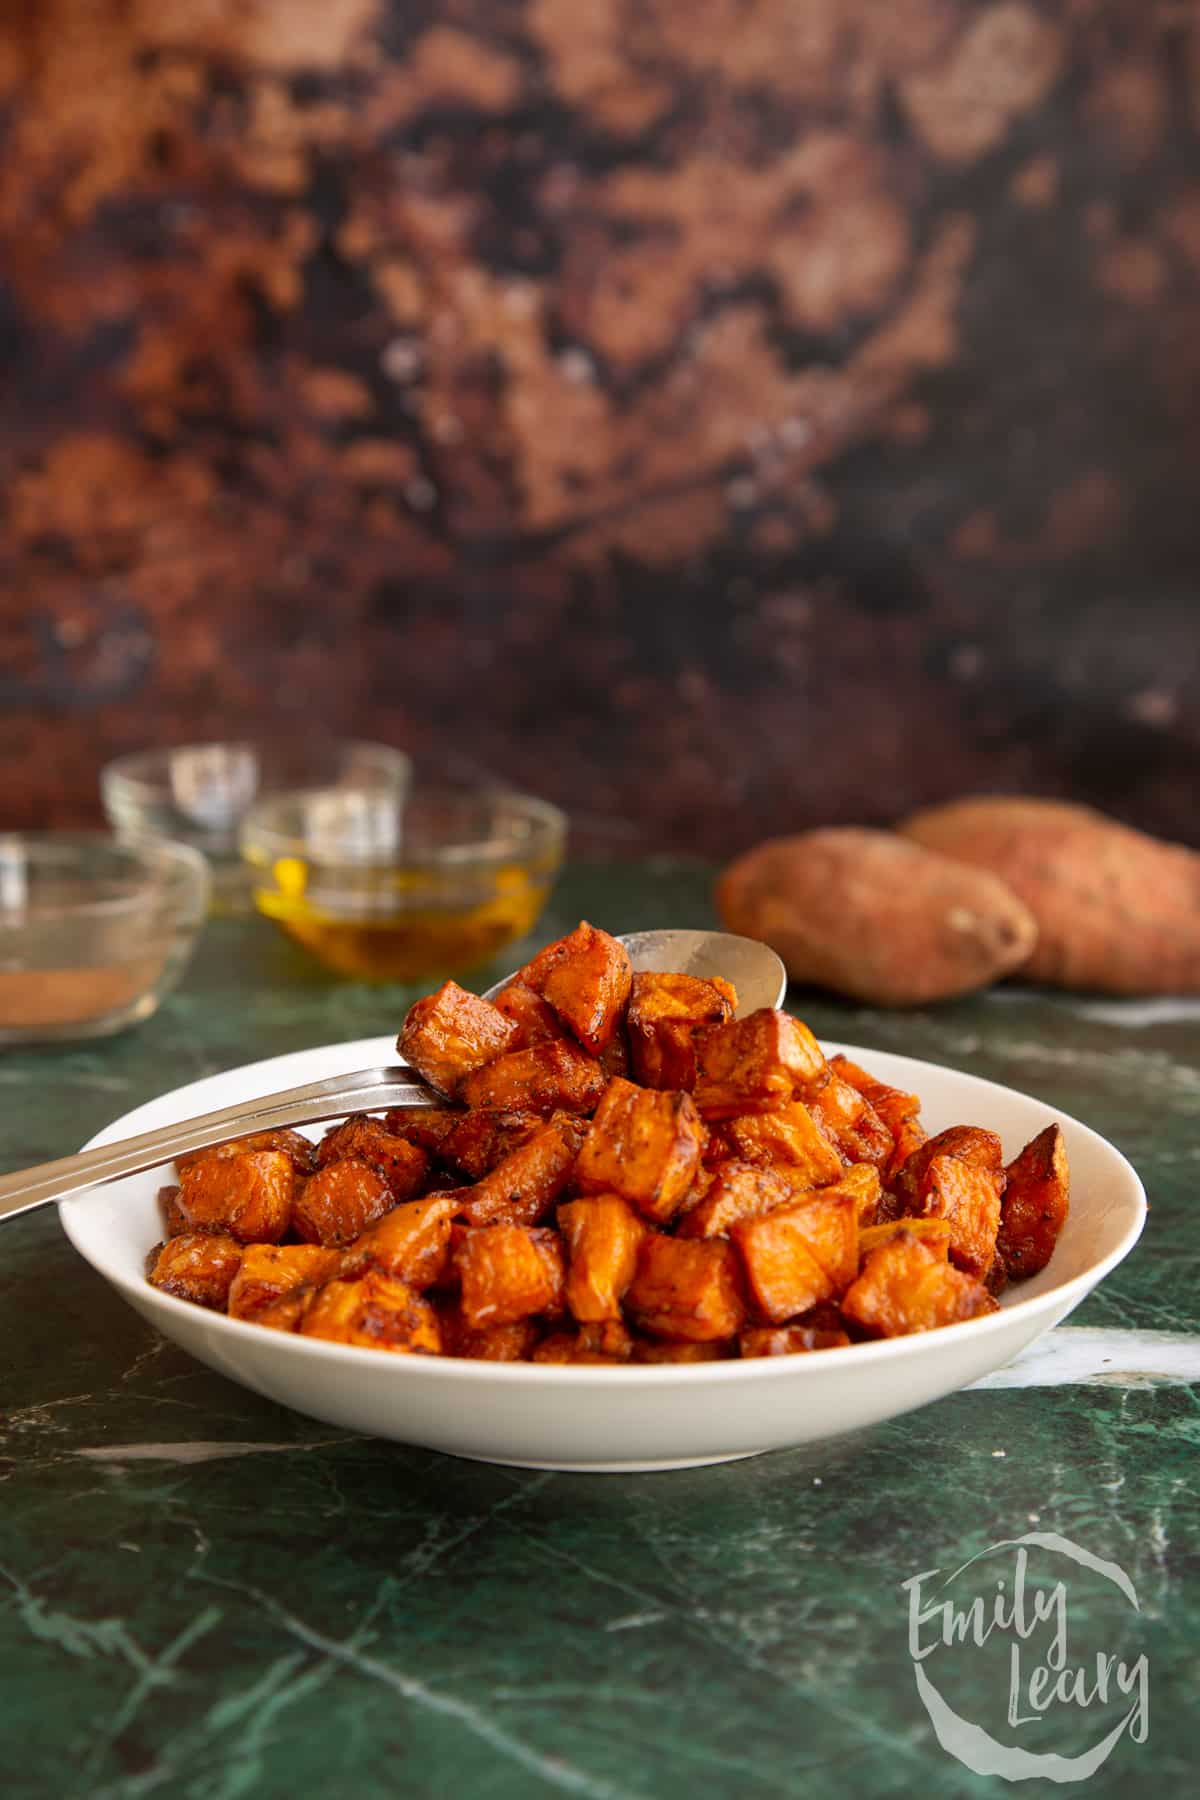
(1000, 1627)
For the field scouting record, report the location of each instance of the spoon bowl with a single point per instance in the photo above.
(754, 970)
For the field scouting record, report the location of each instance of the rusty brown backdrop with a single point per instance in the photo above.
(719, 414)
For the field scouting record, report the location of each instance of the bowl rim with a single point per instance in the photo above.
(135, 774)
(151, 858)
(262, 842)
(1059, 1299)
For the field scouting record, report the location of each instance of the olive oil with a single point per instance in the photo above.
(400, 925)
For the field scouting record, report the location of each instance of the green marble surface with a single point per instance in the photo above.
(204, 1595)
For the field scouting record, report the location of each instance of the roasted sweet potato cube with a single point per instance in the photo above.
(550, 1077)
(585, 978)
(522, 1189)
(411, 1241)
(905, 1287)
(509, 1272)
(666, 1015)
(268, 1271)
(790, 1137)
(969, 1143)
(404, 1164)
(642, 1145)
(683, 1350)
(451, 1033)
(910, 1136)
(687, 1288)
(285, 1311)
(486, 1135)
(535, 1019)
(933, 1233)
(426, 1126)
(292, 1144)
(737, 1190)
(892, 1105)
(614, 1058)
(249, 1195)
(376, 1311)
(851, 1122)
(789, 1340)
(336, 1205)
(799, 1254)
(199, 1266)
(756, 1063)
(968, 1199)
(513, 1342)
(1035, 1206)
(602, 1236)
(171, 1212)
(862, 1181)
(608, 1342)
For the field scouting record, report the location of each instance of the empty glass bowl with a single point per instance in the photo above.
(399, 889)
(198, 794)
(93, 932)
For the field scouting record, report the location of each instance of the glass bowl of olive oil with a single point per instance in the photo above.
(401, 886)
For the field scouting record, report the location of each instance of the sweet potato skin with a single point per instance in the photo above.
(873, 916)
(1116, 911)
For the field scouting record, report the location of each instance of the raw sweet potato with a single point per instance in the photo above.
(873, 916)
(1116, 911)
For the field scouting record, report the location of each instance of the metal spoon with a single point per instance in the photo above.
(756, 973)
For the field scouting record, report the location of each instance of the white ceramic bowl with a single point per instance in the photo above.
(588, 1417)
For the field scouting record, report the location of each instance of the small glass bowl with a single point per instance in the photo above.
(399, 889)
(198, 794)
(93, 931)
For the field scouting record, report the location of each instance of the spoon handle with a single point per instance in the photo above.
(368, 1089)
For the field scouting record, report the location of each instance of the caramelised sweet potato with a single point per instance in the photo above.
(687, 1288)
(269, 1271)
(683, 1350)
(585, 977)
(486, 1135)
(905, 1286)
(602, 1236)
(411, 1241)
(737, 1190)
(934, 1232)
(870, 915)
(756, 1063)
(336, 1205)
(891, 1104)
(642, 1145)
(426, 1126)
(299, 1148)
(376, 1311)
(799, 1254)
(171, 1212)
(1035, 1205)
(861, 1182)
(547, 1078)
(403, 1164)
(667, 1013)
(968, 1198)
(851, 1123)
(606, 1342)
(522, 1188)
(199, 1266)
(535, 1019)
(509, 1272)
(249, 1195)
(789, 1340)
(969, 1143)
(787, 1137)
(513, 1342)
(451, 1033)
